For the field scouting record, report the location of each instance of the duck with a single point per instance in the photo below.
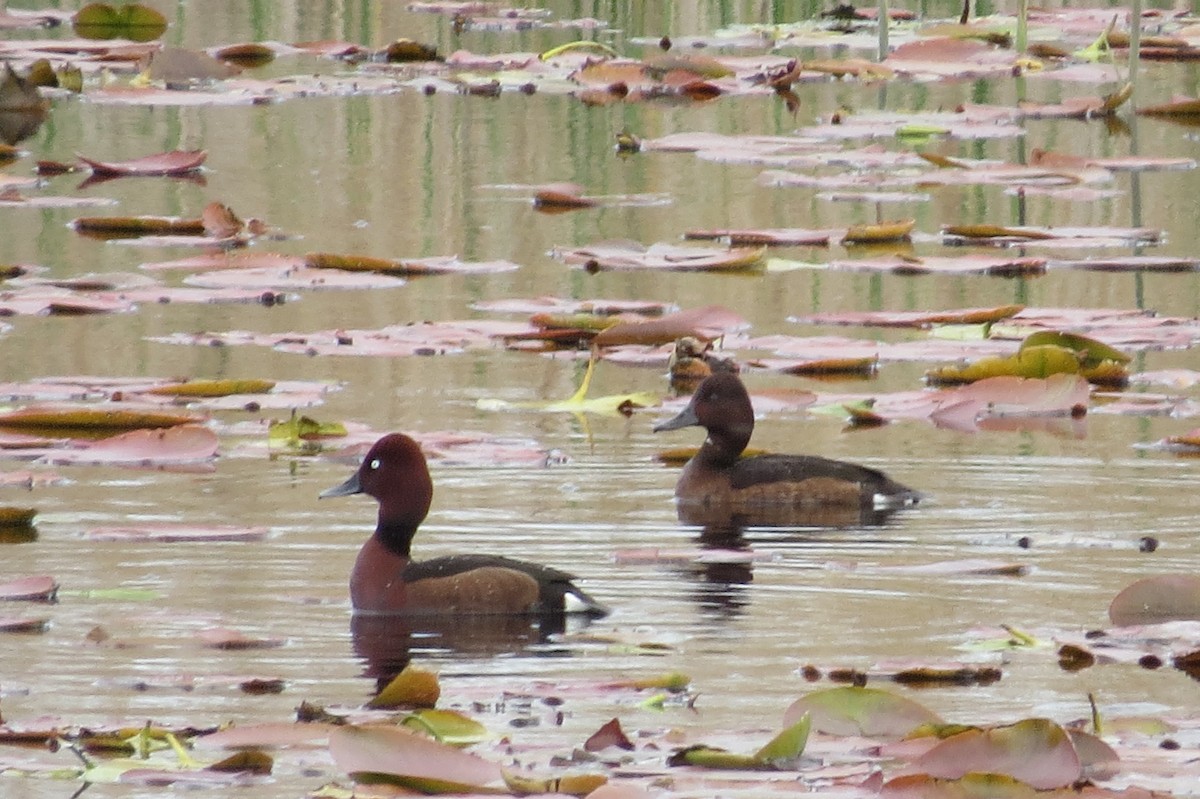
(386, 581)
(718, 477)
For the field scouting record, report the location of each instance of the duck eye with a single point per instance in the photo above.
(374, 464)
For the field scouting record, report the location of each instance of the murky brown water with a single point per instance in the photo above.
(410, 175)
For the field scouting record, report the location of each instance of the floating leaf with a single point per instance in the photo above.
(562, 197)
(1037, 361)
(132, 21)
(16, 517)
(125, 416)
(41, 588)
(250, 761)
(118, 226)
(570, 784)
(412, 687)
(880, 232)
(854, 710)
(965, 316)
(781, 752)
(301, 433)
(214, 388)
(390, 754)
(226, 638)
(447, 726)
(1096, 352)
(579, 402)
(174, 162)
(1036, 751)
(177, 65)
(1156, 599)
(244, 736)
(707, 323)
(671, 257)
(247, 55)
(609, 734)
(185, 443)
(23, 624)
(785, 749)
(174, 533)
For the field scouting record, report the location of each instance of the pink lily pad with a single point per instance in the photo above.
(256, 736)
(1036, 751)
(227, 260)
(395, 751)
(173, 162)
(23, 624)
(671, 257)
(226, 638)
(282, 278)
(175, 533)
(1159, 598)
(556, 305)
(868, 712)
(40, 588)
(186, 443)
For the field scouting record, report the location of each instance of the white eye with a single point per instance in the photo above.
(374, 464)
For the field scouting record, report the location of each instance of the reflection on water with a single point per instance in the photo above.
(720, 520)
(386, 644)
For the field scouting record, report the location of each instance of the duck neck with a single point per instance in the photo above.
(723, 447)
(395, 537)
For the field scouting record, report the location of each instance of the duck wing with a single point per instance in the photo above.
(766, 469)
(554, 585)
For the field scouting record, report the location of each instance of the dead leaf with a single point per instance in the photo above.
(173, 162)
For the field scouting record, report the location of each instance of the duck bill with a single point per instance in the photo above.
(351, 486)
(686, 418)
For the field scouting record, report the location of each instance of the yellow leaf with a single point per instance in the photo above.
(53, 416)
(412, 687)
(883, 231)
(579, 402)
(214, 388)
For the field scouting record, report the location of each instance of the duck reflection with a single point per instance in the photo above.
(720, 589)
(386, 644)
(24, 109)
(719, 520)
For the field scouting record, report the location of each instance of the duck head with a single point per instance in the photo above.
(721, 405)
(395, 474)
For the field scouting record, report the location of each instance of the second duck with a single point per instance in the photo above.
(718, 475)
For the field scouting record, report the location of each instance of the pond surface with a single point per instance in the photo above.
(409, 175)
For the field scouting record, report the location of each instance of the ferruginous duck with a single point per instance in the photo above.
(718, 475)
(386, 581)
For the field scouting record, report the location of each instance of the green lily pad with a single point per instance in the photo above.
(134, 21)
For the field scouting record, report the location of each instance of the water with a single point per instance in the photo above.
(409, 175)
